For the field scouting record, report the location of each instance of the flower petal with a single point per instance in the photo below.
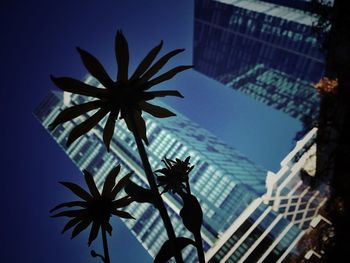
(135, 123)
(108, 130)
(91, 184)
(156, 111)
(122, 55)
(85, 126)
(171, 162)
(159, 64)
(167, 163)
(120, 185)
(108, 228)
(73, 112)
(81, 227)
(77, 87)
(71, 213)
(140, 126)
(110, 182)
(93, 232)
(168, 75)
(163, 171)
(161, 93)
(76, 189)
(122, 214)
(147, 61)
(126, 115)
(122, 202)
(71, 223)
(95, 68)
(69, 204)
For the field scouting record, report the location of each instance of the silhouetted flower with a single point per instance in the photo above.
(96, 207)
(126, 97)
(175, 175)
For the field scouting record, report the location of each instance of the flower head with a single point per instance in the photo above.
(95, 208)
(126, 97)
(326, 85)
(175, 175)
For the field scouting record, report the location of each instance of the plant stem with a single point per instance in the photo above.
(199, 245)
(188, 187)
(159, 201)
(105, 246)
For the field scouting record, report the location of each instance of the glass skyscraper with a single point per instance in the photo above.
(224, 181)
(270, 228)
(277, 89)
(243, 217)
(258, 235)
(260, 48)
(292, 191)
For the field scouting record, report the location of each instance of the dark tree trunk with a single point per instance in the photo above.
(333, 141)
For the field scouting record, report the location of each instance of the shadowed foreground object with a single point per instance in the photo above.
(125, 98)
(175, 175)
(175, 178)
(95, 208)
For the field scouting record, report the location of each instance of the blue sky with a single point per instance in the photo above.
(39, 39)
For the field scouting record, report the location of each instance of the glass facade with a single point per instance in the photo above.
(271, 226)
(261, 46)
(277, 89)
(260, 235)
(291, 190)
(224, 181)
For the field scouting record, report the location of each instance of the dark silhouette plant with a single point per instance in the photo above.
(127, 98)
(175, 177)
(95, 208)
